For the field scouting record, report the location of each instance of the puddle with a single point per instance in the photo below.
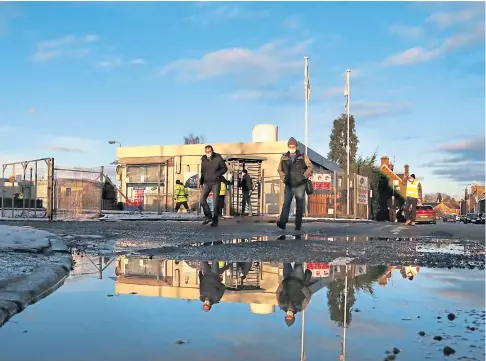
(127, 308)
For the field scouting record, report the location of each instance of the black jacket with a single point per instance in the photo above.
(210, 287)
(246, 182)
(292, 293)
(213, 169)
(295, 173)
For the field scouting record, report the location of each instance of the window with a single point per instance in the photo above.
(68, 192)
(145, 174)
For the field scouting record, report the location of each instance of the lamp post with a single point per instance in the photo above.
(114, 142)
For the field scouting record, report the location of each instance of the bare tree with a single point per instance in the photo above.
(193, 139)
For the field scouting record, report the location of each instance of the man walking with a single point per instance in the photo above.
(246, 185)
(180, 196)
(213, 169)
(294, 170)
(413, 190)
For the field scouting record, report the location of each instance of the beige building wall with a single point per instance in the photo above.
(187, 160)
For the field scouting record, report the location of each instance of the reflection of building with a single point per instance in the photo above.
(179, 279)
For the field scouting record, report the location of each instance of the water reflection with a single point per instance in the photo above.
(253, 310)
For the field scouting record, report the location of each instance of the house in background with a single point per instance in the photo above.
(480, 206)
(445, 207)
(398, 181)
(472, 197)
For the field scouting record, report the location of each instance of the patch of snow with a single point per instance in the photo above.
(23, 238)
(149, 216)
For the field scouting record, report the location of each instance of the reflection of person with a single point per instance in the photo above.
(294, 169)
(213, 168)
(293, 294)
(211, 287)
(409, 272)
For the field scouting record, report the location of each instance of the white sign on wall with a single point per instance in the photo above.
(362, 189)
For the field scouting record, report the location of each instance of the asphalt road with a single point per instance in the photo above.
(372, 243)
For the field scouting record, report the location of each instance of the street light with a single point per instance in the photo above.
(114, 142)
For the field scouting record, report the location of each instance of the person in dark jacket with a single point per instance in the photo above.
(211, 287)
(294, 169)
(213, 169)
(293, 294)
(246, 185)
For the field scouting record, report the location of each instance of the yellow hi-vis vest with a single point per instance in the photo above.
(180, 193)
(222, 192)
(21, 195)
(412, 189)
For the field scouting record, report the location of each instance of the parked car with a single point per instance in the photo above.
(481, 218)
(458, 218)
(449, 218)
(426, 214)
(472, 218)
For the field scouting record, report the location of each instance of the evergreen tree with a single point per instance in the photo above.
(338, 141)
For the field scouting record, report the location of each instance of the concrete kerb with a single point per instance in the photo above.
(18, 292)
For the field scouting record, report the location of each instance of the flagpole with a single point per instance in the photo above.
(306, 117)
(348, 73)
(302, 352)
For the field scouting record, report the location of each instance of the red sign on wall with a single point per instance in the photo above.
(321, 182)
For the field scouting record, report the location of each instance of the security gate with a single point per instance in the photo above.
(254, 168)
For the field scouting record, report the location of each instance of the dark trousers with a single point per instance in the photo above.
(179, 204)
(206, 189)
(246, 199)
(213, 268)
(289, 193)
(411, 215)
(221, 205)
(392, 214)
(297, 271)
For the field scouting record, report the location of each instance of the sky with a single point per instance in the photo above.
(76, 75)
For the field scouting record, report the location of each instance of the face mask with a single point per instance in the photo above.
(209, 155)
(292, 151)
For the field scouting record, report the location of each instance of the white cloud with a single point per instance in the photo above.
(420, 55)
(267, 63)
(66, 45)
(446, 19)
(115, 62)
(408, 32)
(226, 12)
(365, 109)
(292, 22)
(336, 90)
(67, 144)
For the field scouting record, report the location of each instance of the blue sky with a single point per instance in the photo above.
(75, 75)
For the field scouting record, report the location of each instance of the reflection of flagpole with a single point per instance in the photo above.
(343, 348)
(302, 352)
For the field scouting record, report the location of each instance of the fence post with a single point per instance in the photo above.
(335, 193)
(102, 176)
(50, 190)
(158, 189)
(3, 189)
(198, 212)
(262, 190)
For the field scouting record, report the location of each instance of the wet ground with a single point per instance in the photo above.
(371, 243)
(125, 308)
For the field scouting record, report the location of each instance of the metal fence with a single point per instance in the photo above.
(26, 189)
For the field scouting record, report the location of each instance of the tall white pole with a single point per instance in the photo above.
(345, 312)
(302, 352)
(306, 116)
(348, 73)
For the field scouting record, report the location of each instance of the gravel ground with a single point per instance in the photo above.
(373, 243)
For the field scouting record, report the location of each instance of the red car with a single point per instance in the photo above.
(426, 214)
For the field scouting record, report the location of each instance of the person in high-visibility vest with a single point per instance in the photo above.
(413, 196)
(222, 194)
(21, 195)
(180, 196)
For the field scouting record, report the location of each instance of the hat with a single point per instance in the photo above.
(292, 141)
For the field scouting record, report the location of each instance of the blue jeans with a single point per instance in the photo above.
(289, 193)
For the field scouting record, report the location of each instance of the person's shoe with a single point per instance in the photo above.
(206, 221)
(214, 223)
(298, 228)
(413, 223)
(281, 225)
(407, 223)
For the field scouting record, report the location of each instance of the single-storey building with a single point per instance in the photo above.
(147, 174)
